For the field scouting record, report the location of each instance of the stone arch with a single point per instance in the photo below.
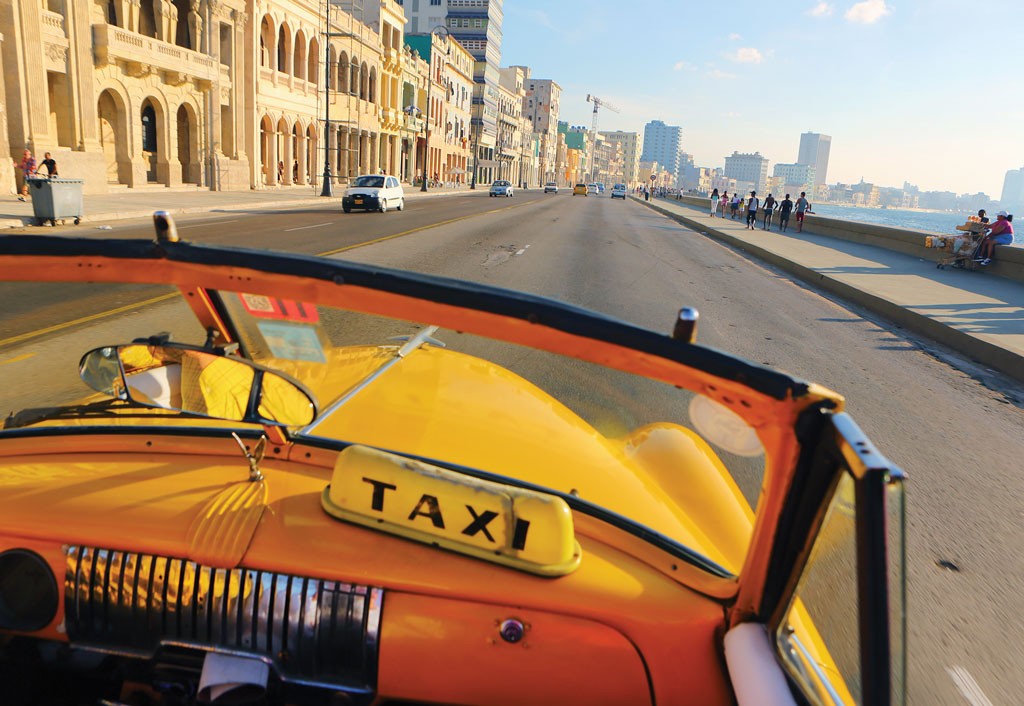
(268, 152)
(343, 73)
(152, 117)
(332, 59)
(299, 57)
(364, 82)
(188, 144)
(313, 70)
(371, 92)
(112, 111)
(268, 43)
(284, 48)
(353, 78)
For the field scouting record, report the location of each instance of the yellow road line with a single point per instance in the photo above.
(17, 358)
(417, 230)
(86, 319)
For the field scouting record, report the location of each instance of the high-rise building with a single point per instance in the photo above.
(814, 150)
(477, 26)
(747, 169)
(1013, 190)
(631, 148)
(541, 106)
(663, 144)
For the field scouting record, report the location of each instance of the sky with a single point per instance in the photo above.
(925, 91)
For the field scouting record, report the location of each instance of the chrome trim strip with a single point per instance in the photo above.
(312, 631)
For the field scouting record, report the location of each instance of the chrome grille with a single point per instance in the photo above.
(313, 631)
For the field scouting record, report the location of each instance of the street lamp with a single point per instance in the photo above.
(430, 85)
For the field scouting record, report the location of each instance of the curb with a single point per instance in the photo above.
(989, 354)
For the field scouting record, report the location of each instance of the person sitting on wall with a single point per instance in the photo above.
(999, 233)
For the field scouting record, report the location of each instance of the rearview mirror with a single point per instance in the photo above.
(197, 381)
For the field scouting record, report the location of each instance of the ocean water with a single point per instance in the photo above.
(944, 222)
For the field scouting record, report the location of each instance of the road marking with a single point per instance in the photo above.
(17, 358)
(968, 687)
(208, 223)
(522, 250)
(86, 319)
(417, 230)
(318, 225)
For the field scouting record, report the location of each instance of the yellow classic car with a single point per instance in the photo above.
(238, 476)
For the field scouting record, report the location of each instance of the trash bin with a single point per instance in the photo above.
(54, 199)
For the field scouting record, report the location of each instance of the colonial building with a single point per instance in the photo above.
(219, 94)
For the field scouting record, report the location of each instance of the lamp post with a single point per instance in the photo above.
(411, 111)
(326, 189)
(430, 85)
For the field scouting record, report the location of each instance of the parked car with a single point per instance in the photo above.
(501, 188)
(619, 191)
(551, 188)
(340, 483)
(374, 192)
(579, 190)
(592, 189)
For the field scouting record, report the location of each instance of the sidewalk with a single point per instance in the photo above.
(979, 316)
(141, 203)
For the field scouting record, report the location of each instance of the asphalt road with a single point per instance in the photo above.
(955, 437)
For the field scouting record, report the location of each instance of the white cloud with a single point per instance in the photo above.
(868, 11)
(717, 73)
(735, 37)
(822, 9)
(746, 55)
(684, 66)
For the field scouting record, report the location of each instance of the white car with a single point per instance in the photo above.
(502, 187)
(374, 192)
(619, 191)
(592, 189)
(551, 188)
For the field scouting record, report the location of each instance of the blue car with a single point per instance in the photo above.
(501, 188)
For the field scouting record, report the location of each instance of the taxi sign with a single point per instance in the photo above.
(519, 528)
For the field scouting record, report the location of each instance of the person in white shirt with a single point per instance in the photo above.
(752, 205)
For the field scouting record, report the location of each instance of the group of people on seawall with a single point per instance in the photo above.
(758, 209)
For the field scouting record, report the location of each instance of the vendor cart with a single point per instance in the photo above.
(958, 250)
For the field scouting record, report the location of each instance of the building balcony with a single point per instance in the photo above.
(144, 56)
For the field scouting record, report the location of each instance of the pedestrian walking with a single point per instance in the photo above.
(802, 207)
(785, 207)
(752, 205)
(734, 206)
(769, 206)
(714, 202)
(725, 202)
(28, 170)
(51, 165)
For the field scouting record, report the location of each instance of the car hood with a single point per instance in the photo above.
(363, 190)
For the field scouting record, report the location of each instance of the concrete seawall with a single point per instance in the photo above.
(1008, 263)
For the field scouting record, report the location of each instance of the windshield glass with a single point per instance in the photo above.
(369, 181)
(619, 442)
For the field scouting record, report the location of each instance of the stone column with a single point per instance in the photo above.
(272, 158)
(25, 65)
(286, 142)
(195, 26)
(300, 156)
(133, 9)
(166, 15)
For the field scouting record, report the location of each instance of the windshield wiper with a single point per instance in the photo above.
(417, 341)
(34, 415)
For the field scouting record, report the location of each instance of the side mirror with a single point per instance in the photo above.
(197, 381)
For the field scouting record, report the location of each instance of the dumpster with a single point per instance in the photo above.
(54, 199)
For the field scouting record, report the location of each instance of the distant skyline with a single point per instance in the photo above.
(917, 91)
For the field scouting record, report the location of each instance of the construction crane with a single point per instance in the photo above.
(597, 104)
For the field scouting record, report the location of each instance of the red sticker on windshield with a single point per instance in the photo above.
(276, 308)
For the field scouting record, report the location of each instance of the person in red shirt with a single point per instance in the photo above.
(28, 170)
(999, 233)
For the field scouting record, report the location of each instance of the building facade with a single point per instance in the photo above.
(1012, 197)
(542, 108)
(814, 151)
(632, 147)
(794, 178)
(748, 170)
(218, 94)
(663, 144)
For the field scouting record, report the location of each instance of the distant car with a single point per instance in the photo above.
(551, 188)
(619, 191)
(580, 189)
(374, 192)
(592, 189)
(501, 188)
(600, 187)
